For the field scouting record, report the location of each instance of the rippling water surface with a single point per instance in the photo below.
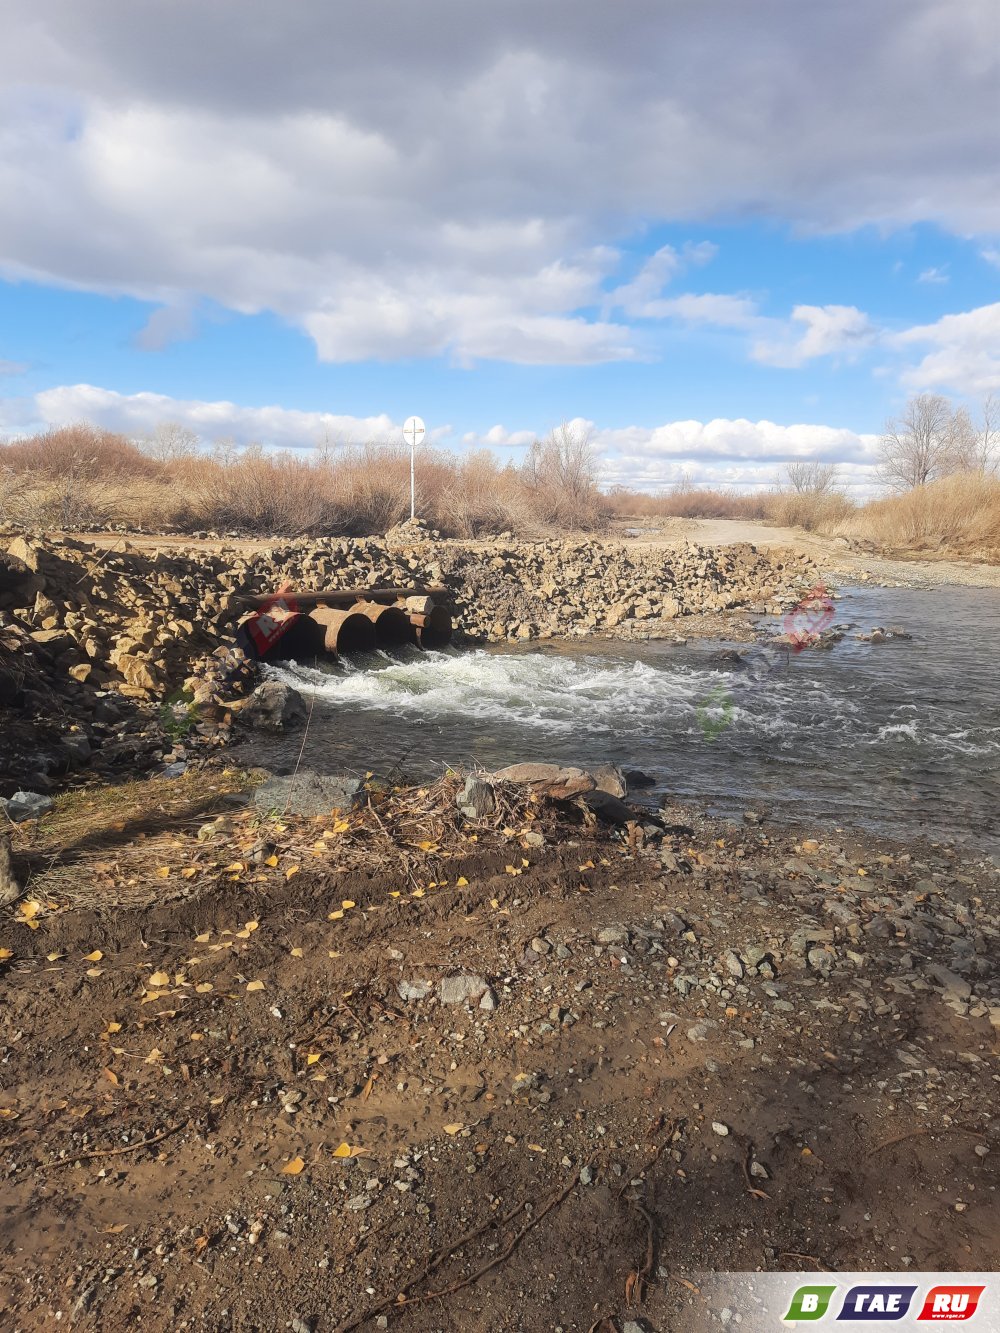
(903, 736)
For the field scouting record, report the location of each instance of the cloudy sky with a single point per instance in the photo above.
(718, 234)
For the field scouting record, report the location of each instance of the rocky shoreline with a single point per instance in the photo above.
(94, 641)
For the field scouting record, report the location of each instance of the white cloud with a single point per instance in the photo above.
(830, 330)
(991, 255)
(935, 275)
(964, 355)
(138, 414)
(13, 367)
(427, 178)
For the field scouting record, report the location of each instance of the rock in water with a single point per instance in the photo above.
(10, 889)
(274, 706)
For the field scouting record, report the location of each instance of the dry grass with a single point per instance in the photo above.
(81, 478)
(959, 514)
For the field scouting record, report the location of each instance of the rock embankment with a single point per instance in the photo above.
(135, 621)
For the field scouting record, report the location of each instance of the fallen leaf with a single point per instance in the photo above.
(427, 846)
(345, 1150)
(294, 1167)
(54, 957)
(312, 1058)
(189, 872)
(461, 882)
(347, 904)
(204, 987)
(536, 1147)
(111, 1076)
(163, 872)
(272, 861)
(203, 939)
(456, 1128)
(95, 971)
(114, 1027)
(154, 1056)
(250, 926)
(94, 957)
(236, 868)
(292, 870)
(296, 952)
(255, 985)
(114, 1229)
(9, 953)
(417, 893)
(159, 979)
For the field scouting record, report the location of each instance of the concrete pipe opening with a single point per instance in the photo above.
(392, 626)
(343, 631)
(433, 627)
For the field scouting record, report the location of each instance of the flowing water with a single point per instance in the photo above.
(902, 736)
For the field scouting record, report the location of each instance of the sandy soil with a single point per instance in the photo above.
(223, 1108)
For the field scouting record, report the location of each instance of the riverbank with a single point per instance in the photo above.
(546, 1069)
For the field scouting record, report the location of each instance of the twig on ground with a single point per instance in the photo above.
(808, 1258)
(116, 1152)
(926, 1130)
(399, 1301)
(746, 1163)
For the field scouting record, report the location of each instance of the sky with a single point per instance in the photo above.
(716, 236)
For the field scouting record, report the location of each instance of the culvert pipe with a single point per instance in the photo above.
(343, 631)
(391, 624)
(433, 627)
(280, 639)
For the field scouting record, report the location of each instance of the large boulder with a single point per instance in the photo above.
(308, 793)
(274, 706)
(549, 779)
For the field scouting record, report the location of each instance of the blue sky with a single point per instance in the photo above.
(714, 246)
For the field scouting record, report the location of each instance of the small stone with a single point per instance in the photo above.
(462, 989)
(586, 1175)
(414, 990)
(719, 1128)
(612, 935)
(24, 805)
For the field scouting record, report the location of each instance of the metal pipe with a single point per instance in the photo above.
(293, 637)
(343, 596)
(343, 631)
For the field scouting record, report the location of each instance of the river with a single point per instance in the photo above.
(900, 737)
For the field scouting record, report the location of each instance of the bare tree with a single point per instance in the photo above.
(988, 452)
(918, 445)
(170, 442)
(810, 477)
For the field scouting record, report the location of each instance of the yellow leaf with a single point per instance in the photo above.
(159, 979)
(203, 939)
(343, 1151)
(152, 995)
(294, 1167)
(417, 893)
(461, 882)
(155, 1055)
(54, 957)
(111, 1076)
(204, 987)
(95, 971)
(94, 957)
(456, 1128)
(236, 868)
(243, 934)
(8, 1113)
(272, 860)
(335, 916)
(292, 870)
(536, 1147)
(333, 953)
(8, 953)
(251, 926)
(30, 909)
(312, 1058)
(114, 1027)
(255, 985)
(189, 872)
(296, 952)
(427, 846)
(347, 904)
(395, 893)
(163, 872)
(114, 1229)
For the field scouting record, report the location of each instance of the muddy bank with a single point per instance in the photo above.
(452, 1066)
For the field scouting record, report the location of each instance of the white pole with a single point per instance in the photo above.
(413, 493)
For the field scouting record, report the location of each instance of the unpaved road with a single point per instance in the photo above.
(832, 554)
